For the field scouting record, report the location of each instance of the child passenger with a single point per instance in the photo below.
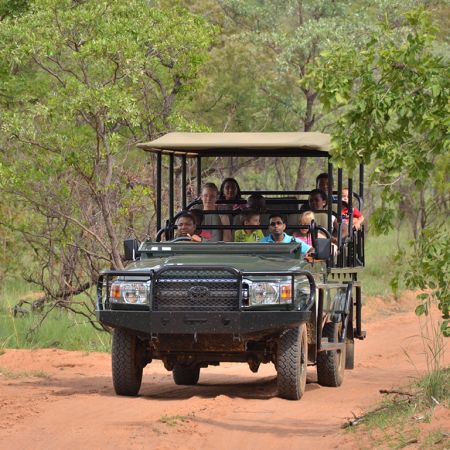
(305, 234)
(318, 202)
(230, 191)
(358, 218)
(249, 218)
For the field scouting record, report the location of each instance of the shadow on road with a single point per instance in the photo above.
(162, 387)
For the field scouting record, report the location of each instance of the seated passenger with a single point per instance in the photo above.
(322, 184)
(249, 217)
(277, 225)
(206, 235)
(257, 202)
(209, 197)
(358, 218)
(230, 191)
(186, 227)
(318, 202)
(304, 234)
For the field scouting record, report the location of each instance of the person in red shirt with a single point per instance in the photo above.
(358, 218)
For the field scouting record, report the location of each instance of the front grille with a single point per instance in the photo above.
(178, 289)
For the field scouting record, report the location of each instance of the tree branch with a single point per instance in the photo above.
(49, 71)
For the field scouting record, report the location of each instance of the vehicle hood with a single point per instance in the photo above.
(244, 263)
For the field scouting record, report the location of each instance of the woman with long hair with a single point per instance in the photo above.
(209, 198)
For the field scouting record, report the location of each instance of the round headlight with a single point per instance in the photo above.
(131, 293)
(263, 294)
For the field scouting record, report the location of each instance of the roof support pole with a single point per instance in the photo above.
(340, 227)
(361, 181)
(171, 186)
(330, 196)
(330, 262)
(199, 176)
(339, 189)
(350, 203)
(158, 190)
(350, 261)
(183, 181)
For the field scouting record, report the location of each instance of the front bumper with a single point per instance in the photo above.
(227, 322)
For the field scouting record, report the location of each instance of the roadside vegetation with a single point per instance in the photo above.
(417, 414)
(24, 327)
(380, 252)
(405, 416)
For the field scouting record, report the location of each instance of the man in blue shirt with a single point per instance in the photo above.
(277, 225)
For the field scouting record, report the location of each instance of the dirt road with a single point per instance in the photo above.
(52, 399)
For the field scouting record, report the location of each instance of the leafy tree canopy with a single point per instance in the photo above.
(392, 99)
(82, 81)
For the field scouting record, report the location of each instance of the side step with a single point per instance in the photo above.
(326, 346)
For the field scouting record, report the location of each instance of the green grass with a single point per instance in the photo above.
(394, 423)
(435, 439)
(436, 386)
(174, 420)
(14, 374)
(61, 329)
(379, 269)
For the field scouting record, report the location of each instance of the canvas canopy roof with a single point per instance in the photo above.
(241, 144)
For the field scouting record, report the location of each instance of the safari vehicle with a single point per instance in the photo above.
(192, 305)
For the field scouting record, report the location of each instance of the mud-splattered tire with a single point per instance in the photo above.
(127, 363)
(292, 360)
(331, 364)
(185, 375)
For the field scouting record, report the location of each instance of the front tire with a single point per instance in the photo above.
(292, 360)
(186, 375)
(331, 364)
(127, 363)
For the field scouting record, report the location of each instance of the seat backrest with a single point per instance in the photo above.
(292, 221)
(321, 218)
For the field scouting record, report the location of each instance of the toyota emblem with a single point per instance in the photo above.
(198, 292)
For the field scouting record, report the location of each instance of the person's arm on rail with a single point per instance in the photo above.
(226, 234)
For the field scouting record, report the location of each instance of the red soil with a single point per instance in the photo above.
(54, 399)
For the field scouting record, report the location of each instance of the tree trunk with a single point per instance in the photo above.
(115, 256)
(308, 123)
(301, 174)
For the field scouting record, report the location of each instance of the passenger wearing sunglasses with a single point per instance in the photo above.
(277, 225)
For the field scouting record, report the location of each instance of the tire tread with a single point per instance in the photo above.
(126, 369)
(330, 370)
(291, 384)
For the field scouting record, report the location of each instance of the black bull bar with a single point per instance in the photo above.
(240, 321)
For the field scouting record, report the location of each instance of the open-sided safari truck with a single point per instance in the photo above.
(192, 305)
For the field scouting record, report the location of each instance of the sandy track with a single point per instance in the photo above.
(52, 399)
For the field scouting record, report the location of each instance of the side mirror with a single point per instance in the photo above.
(131, 249)
(322, 248)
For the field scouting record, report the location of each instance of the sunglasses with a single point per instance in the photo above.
(278, 222)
